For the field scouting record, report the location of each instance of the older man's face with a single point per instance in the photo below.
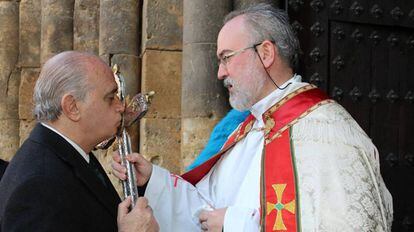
(241, 74)
(101, 109)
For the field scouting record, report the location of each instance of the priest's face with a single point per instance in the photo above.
(239, 65)
(244, 89)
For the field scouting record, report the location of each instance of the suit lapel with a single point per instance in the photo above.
(109, 193)
(66, 152)
(107, 196)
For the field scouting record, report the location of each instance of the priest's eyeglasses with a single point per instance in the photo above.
(225, 59)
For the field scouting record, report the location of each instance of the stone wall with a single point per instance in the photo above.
(167, 46)
(162, 28)
(203, 99)
(9, 78)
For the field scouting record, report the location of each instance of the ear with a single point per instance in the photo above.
(70, 107)
(268, 52)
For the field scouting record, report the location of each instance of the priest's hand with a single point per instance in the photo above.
(212, 220)
(143, 168)
(140, 219)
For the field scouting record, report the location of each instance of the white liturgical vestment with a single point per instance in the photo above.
(340, 186)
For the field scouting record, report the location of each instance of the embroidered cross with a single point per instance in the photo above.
(279, 207)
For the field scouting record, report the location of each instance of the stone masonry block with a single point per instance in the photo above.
(57, 28)
(203, 95)
(26, 126)
(161, 72)
(130, 68)
(30, 25)
(195, 134)
(9, 99)
(203, 19)
(9, 52)
(9, 123)
(28, 80)
(160, 142)
(86, 26)
(9, 138)
(162, 24)
(118, 27)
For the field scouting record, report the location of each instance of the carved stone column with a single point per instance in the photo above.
(160, 132)
(86, 26)
(29, 60)
(203, 98)
(57, 28)
(9, 78)
(118, 39)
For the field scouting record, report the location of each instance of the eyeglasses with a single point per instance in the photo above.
(225, 59)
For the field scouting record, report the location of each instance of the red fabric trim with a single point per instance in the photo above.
(294, 107)
(286, 113)
(278, 170)
(195, 175)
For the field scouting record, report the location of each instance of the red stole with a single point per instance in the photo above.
(279, 204)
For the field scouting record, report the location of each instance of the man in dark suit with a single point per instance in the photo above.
(54, 182)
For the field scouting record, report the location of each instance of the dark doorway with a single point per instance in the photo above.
(362, 54)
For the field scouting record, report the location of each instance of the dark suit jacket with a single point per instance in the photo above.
(3, 166)
(48, 186)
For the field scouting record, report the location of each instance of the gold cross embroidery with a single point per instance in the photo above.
(279, 189)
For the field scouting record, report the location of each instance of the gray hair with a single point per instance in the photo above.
(64, 73)
(265, 22)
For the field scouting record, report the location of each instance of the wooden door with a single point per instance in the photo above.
(362, 53)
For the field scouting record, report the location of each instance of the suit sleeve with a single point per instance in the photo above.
(36, 206)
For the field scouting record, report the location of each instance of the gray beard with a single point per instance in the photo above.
(243, 99)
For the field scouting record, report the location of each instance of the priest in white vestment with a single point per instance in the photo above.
(335, 164)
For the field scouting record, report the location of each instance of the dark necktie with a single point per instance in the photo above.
(94, 165)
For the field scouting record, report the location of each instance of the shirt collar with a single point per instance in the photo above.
(74, 145)
(261, 106)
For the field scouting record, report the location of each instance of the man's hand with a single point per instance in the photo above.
(143, 168)
(140, 219)
(212, 220)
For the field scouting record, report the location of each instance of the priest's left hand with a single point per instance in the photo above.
(212, 221)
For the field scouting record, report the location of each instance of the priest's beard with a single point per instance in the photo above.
(245, 90)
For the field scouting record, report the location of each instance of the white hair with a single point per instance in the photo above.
(265, 22)
(64, 73)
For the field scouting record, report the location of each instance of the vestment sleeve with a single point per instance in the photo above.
(241, 219)
(340, 184)
(175, 202)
